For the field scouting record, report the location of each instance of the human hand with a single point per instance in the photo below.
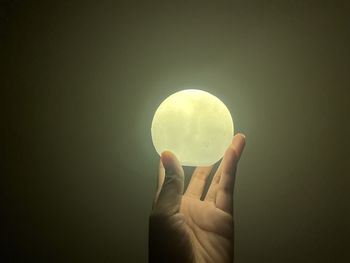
(183, 228)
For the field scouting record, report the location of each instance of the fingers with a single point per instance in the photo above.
(198, 180)
(169, 198)
(210, 196)
(161, 176)
(224, 195)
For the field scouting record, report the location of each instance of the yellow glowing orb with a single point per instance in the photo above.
(193, 124)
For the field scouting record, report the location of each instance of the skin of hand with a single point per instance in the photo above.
(182, 227)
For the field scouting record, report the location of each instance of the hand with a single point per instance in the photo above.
(184, 228)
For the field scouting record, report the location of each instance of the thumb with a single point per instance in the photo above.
(169, 199)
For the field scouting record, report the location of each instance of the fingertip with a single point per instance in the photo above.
(166, 157)
(239, 141)
(166, 153)
(234, 151)
(241, 135)
(169, 161)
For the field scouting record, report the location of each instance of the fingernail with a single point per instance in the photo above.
(242, 135)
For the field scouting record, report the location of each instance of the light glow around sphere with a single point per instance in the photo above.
(193, 124)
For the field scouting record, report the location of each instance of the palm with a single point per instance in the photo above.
(184, 228)
(209, 229)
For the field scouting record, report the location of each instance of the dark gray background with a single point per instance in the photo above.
(80, 84)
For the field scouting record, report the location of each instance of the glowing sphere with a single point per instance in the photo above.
(193, 124)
